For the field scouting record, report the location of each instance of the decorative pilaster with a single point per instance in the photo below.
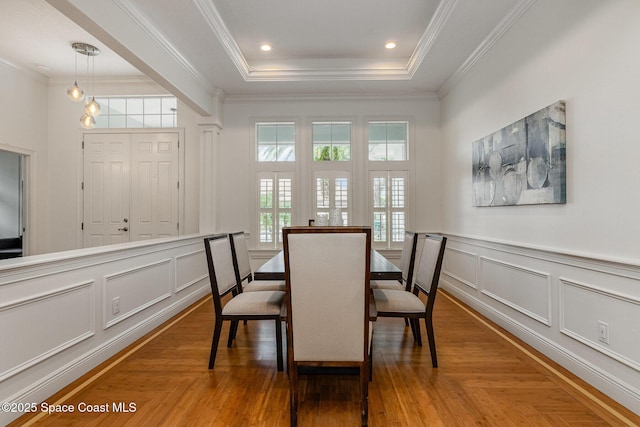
(209, 138)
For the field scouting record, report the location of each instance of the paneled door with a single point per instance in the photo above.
(130, 187)
(154, 185)
(106, 189)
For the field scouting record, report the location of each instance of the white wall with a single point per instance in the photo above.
(586, 53)
(23, 129)
(236, 150)
(551, 273)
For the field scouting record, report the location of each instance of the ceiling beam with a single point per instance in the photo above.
(129, 34)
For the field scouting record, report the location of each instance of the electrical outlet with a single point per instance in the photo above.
(603, 332)
(115, 305)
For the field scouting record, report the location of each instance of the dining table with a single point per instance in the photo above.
(381, 268)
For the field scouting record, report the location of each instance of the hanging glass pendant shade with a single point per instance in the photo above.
(92, 108)
(87, 121)
(75, 92)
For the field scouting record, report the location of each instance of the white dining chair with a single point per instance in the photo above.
(267, 305)
(328, 297)
(401, 303)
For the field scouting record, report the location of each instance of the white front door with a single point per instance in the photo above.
(131, 189)
(106, 189)
(154, 185)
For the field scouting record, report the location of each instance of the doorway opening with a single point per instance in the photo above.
(13, 202)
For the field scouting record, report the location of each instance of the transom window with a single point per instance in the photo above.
(331, 141)
(388, 141)
(276, 142)
(137, 112)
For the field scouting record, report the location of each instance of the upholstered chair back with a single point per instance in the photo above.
(225, 277)
(328, 278)
(430, 261)
(242, 255)
(408, 255)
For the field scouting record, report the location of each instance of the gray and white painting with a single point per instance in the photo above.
(523, 163)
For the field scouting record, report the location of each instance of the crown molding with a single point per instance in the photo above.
(496, 34)
(112, 81)
(256, 74)
(148, 27)
(430, 35)
(327, 97)
(29, 72)
(335, 74)
(217, 25)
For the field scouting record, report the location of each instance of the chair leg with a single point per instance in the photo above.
(286, 336)
(412, 323)
(364, 397)
(416, 322)
(217, 329)
(293, 396)
(233, 328)
(279, 343)
(432, 342)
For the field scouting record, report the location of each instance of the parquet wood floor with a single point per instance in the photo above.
(485, 377)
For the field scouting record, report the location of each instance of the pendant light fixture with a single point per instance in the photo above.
(92, 108)
(74, 92)
(87, 121)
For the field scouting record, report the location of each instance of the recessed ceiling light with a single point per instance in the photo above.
(390, 45)
(266, 47)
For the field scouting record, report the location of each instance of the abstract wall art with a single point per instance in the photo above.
(523, 163)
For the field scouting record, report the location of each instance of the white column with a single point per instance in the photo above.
(209, 137)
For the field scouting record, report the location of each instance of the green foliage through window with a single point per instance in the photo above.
(331, 141)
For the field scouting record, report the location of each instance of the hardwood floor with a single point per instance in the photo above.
(485, 377)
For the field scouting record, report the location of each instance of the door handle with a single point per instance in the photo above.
(123, 229)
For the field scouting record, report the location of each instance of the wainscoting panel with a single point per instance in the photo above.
(558, 303)
(462, 266)
(57, 320)
(135, 290)
(190, 269)
(600, 319)
(521, 288)
(51, 308)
